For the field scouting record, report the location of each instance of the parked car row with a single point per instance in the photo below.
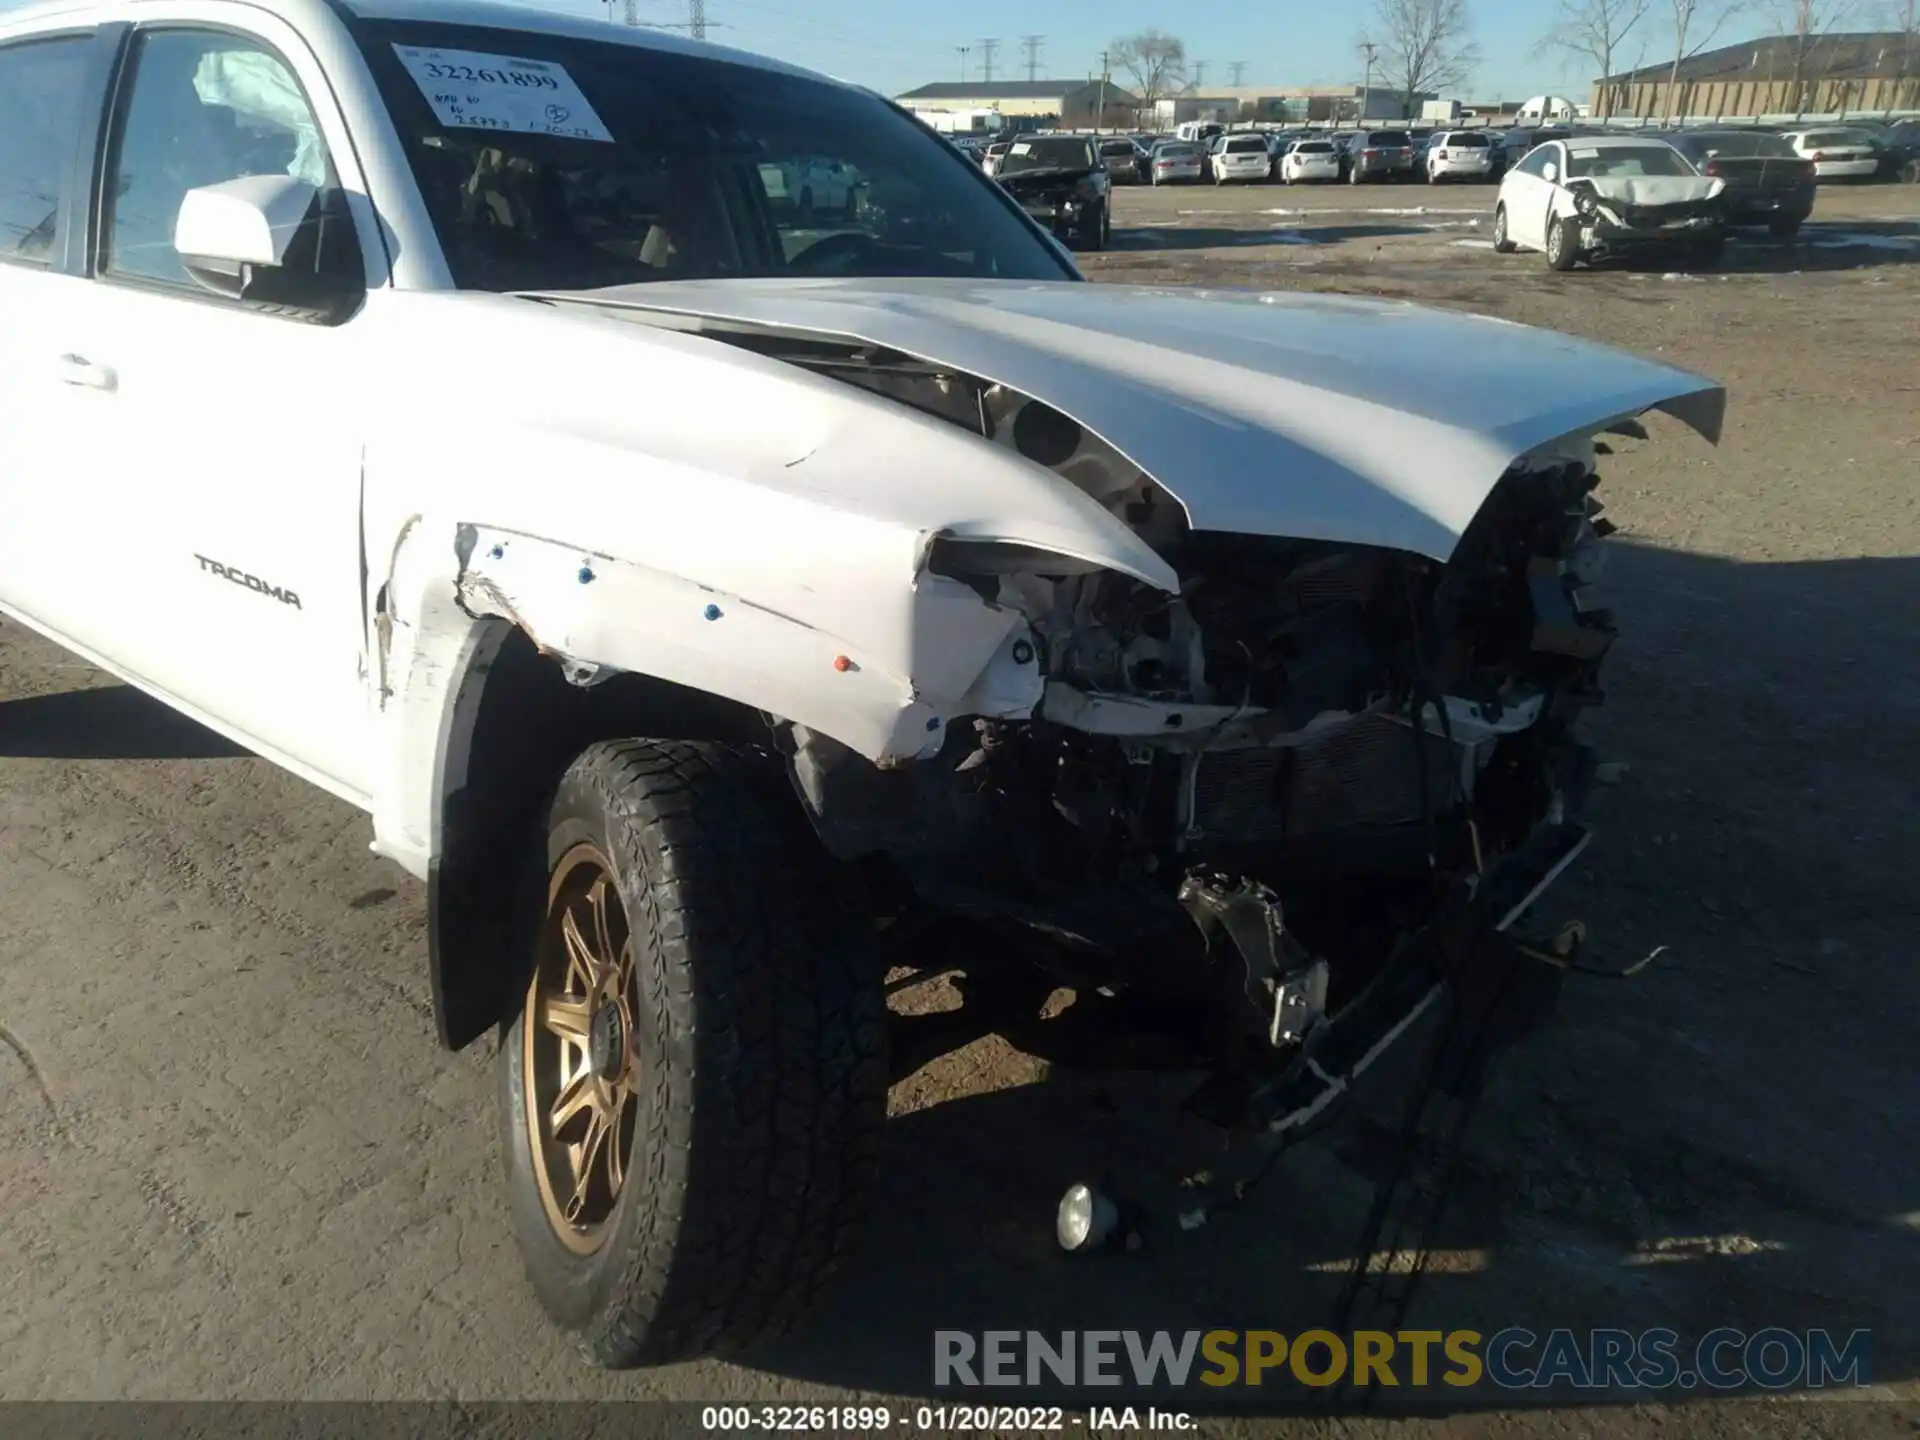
(1763, 182)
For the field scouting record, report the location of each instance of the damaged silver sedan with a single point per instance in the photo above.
(711, 596)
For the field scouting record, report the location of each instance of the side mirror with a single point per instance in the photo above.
(275, 240)
(1549, 172)
(249, 221)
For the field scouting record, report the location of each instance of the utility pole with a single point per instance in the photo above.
(1239, 69)
(987, 47)
(1100, 115)
(1366, 90)
(1199, 73)
(632, 16)
(1031, 44)
(963, 49)
(697, 19)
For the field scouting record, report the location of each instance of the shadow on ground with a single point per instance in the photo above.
(1220, 237)
(1724, 1141)
(109, 722)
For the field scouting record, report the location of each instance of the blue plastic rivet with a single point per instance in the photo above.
(498, 551)
(934, 723)
(712, 612)
(586, 574)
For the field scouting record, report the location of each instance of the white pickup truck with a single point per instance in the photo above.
(455, 421)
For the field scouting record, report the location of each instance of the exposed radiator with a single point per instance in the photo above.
(1364, 773)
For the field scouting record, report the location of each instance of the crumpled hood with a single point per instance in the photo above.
(1655, 189)
(1308, 416)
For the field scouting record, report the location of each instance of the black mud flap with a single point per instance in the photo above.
(477, 911)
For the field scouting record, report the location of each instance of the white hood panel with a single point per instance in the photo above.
(1306, 416)
(1656, 189)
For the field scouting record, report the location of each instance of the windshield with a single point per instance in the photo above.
(1054, 152)
(1121, 148)
(1836, 137)
(1392, 139)
(1596, 162)
(553, 163)
(1175, 152)
(1461, 142)
(1248, 145)
(1314, 147)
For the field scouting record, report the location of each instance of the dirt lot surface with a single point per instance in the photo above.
(233, 1162)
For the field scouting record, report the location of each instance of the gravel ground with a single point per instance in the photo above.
(233, 1163)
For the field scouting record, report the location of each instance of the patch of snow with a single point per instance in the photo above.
(1473, 244)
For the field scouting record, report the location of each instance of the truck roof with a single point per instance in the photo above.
(490, 14)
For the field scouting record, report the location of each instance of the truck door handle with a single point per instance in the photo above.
(78, 370)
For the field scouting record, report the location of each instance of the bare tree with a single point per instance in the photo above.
(1904, 18)
(1425, 45)
(1594, 30)
(1806, 24)
(1695, 23)
(1154, 61)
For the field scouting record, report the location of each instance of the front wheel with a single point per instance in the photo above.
(692, 1094)
(1094, 236)
(1563, 244)
(1502, 241)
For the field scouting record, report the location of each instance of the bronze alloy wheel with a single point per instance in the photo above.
(581, 1074)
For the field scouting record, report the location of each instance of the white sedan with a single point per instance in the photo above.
(1592, 197)
(1307, 160)
(1837, 154)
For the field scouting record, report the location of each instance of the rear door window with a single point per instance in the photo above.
(42, 91)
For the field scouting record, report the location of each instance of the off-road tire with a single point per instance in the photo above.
(760, 1045)
(1502, 244)
(1563, 243)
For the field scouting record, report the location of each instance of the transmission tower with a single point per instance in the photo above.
(1031, 44)
(697, 19)
(987, 47)
(632, 16)
(1199, 73)
(963, 49)
(1239, 69)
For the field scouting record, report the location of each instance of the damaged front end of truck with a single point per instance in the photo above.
(1262, 704)
(1288, 798)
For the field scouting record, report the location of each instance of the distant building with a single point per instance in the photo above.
(1286, 105)
(1773, 75)
(1067, 104)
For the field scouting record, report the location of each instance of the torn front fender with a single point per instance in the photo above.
(952, 654)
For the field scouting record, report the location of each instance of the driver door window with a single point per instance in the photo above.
(204, 107)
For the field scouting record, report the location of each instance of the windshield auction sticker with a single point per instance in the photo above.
(473, 91)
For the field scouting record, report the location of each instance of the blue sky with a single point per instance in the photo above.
(894, 45)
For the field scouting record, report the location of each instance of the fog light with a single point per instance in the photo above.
(1086, 1219)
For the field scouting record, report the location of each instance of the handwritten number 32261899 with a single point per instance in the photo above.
(521, 79)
